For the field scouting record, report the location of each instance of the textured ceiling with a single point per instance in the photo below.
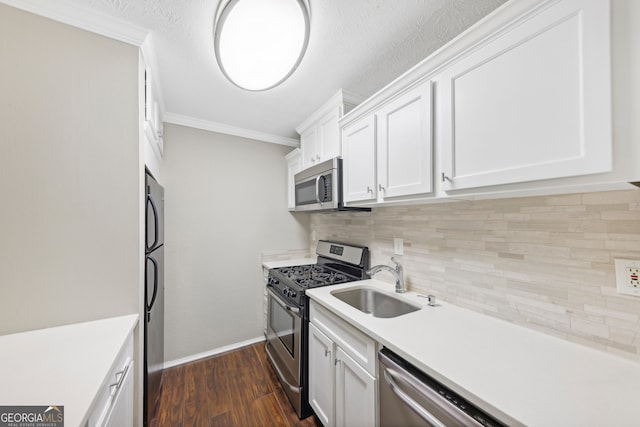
(356, 45)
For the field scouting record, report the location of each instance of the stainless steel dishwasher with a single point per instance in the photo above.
(409, 397)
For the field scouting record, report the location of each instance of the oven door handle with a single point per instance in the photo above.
(287, 307)
(278, 371)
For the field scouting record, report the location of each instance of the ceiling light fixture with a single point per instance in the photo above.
(260, 43)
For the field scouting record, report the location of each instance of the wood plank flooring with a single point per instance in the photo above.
(239, 389)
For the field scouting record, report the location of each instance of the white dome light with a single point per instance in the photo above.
(259, 43)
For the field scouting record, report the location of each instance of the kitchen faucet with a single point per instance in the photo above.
(396, 272)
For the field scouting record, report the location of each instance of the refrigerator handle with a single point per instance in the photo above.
(155, 285)
(155, 223)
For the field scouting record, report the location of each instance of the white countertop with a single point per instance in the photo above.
(65, 365)
(519, 375)
(288, 262)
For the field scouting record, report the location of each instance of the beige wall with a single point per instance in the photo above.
(543, 262)
(69, 174)
(225, 203)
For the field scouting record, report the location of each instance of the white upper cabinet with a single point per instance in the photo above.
(310, 146)
(522, 103)
(293, 167)
(359, 160)
(329, 133)
(404, 144)
(531, 103)
(387, 154)
(320, 133)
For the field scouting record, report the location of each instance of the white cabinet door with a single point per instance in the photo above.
(309, 146)
(359, 160)
(532, 103)
(293, 167)
(321, 375)
(121, 412)
(329, 134)
(355, 393)
(405, 144)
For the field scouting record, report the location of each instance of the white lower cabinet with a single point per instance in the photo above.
(355, 393)
(265, 299)
(121, 411)
(342, 382)
(114, 404)
(321, 376)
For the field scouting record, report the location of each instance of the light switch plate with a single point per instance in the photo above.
(398, 246)
(627, 272)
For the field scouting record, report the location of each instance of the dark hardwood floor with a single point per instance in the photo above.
(239, 388)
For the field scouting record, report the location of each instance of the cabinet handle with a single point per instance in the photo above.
(380, 187)
(369, 190)
(327, 353)
(118, 382)
(317, 156)
(446, 178)
(336, 361)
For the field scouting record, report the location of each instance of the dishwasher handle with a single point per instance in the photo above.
(422, 412)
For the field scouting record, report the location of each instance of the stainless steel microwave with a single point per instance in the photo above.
(319, 187)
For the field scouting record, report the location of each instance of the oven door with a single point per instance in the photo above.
(284, 344)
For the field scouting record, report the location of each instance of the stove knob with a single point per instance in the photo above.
(292, 293)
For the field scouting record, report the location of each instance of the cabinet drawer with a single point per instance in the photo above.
(108, 392)
(357, 345)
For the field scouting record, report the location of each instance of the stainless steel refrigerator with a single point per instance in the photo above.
(154, 297)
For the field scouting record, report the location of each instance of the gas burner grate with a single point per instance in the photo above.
(310, 276)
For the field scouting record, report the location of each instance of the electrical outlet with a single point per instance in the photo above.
(398, 246)
(627, 276)
(632, 276)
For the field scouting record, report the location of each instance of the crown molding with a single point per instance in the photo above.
(178, 119)
(86, 19)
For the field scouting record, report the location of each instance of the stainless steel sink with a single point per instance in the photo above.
(376, 303)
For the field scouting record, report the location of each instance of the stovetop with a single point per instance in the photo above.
(337, 263)
(292, 282)
(312, 276)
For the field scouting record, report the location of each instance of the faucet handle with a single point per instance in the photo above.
(398, 265)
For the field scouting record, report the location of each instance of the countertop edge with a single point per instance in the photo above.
(79, 356)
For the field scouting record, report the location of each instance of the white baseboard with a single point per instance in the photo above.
(209, 353)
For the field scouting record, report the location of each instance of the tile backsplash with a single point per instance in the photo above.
(546, 263)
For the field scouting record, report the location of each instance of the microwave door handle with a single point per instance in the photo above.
(318, 190)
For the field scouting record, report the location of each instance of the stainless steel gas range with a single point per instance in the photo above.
(288, 312)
